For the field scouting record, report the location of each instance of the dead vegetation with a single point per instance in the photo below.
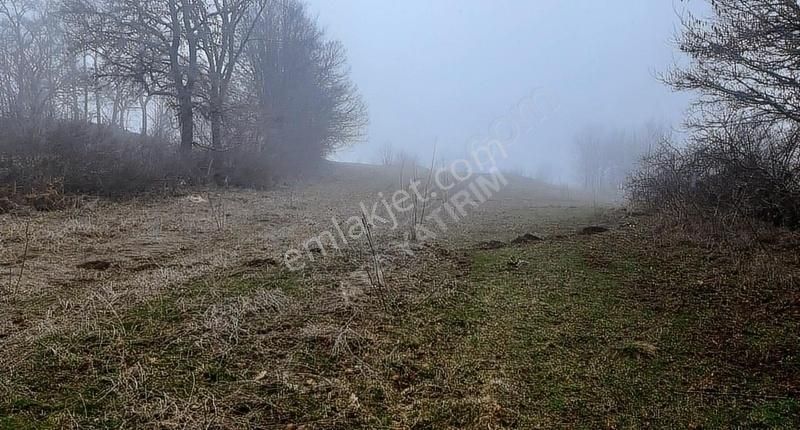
(172, 323)
(741, 163)
(471, 340)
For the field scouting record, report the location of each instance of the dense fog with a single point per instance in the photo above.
(399, 214)
(444, 70)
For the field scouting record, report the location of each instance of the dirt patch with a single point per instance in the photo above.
(593, 229)
(527, 238)
(262, 262)
(145, 266)
(519, 240)
(492, 244)
(98, 265)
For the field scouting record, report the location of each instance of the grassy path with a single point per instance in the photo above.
(572, 332)
(558, 335)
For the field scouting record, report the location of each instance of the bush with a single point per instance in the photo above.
(81, 158)
(733, 172)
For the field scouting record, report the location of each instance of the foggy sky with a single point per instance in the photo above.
(444, 69)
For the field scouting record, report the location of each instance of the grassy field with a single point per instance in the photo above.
(163, 314)
(631, 328)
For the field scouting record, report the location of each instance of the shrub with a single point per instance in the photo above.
(732, 172)
(81, 158)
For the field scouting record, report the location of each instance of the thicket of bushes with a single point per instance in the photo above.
(734, 174)
(81, 157)
(743, 160)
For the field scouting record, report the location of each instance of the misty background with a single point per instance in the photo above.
(443, 70)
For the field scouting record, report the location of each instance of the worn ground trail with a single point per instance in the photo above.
(108, 256)
(634, 327)
(178, 321)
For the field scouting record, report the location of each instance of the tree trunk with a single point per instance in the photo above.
(116, 114)
(143, 102)
(85, 91)
(186, 118)
(215, 117)
(98, 105)
(215, 111)
(216, 128)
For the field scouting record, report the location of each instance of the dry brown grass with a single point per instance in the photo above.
(193, 325)
(609, 330)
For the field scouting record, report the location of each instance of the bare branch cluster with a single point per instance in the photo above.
(743, 160)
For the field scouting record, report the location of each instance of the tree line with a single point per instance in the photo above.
(245, 89)
(606, 156)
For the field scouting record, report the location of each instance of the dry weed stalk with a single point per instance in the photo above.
(428, 185)
(446, 182)
(415, 219)
(418, 208)
(345, 338)
(217, 211)
(402, 167)
(24, 257)
(376, 273)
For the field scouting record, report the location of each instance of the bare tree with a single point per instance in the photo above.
(308, 106)
(743, 158)
(185, 50)
(225, 32)
(341, 103)
(606, 157)
(153, 44)
(744, 56)
(386, 154)
(34, 69)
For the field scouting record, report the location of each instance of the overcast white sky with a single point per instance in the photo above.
(445, 69)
